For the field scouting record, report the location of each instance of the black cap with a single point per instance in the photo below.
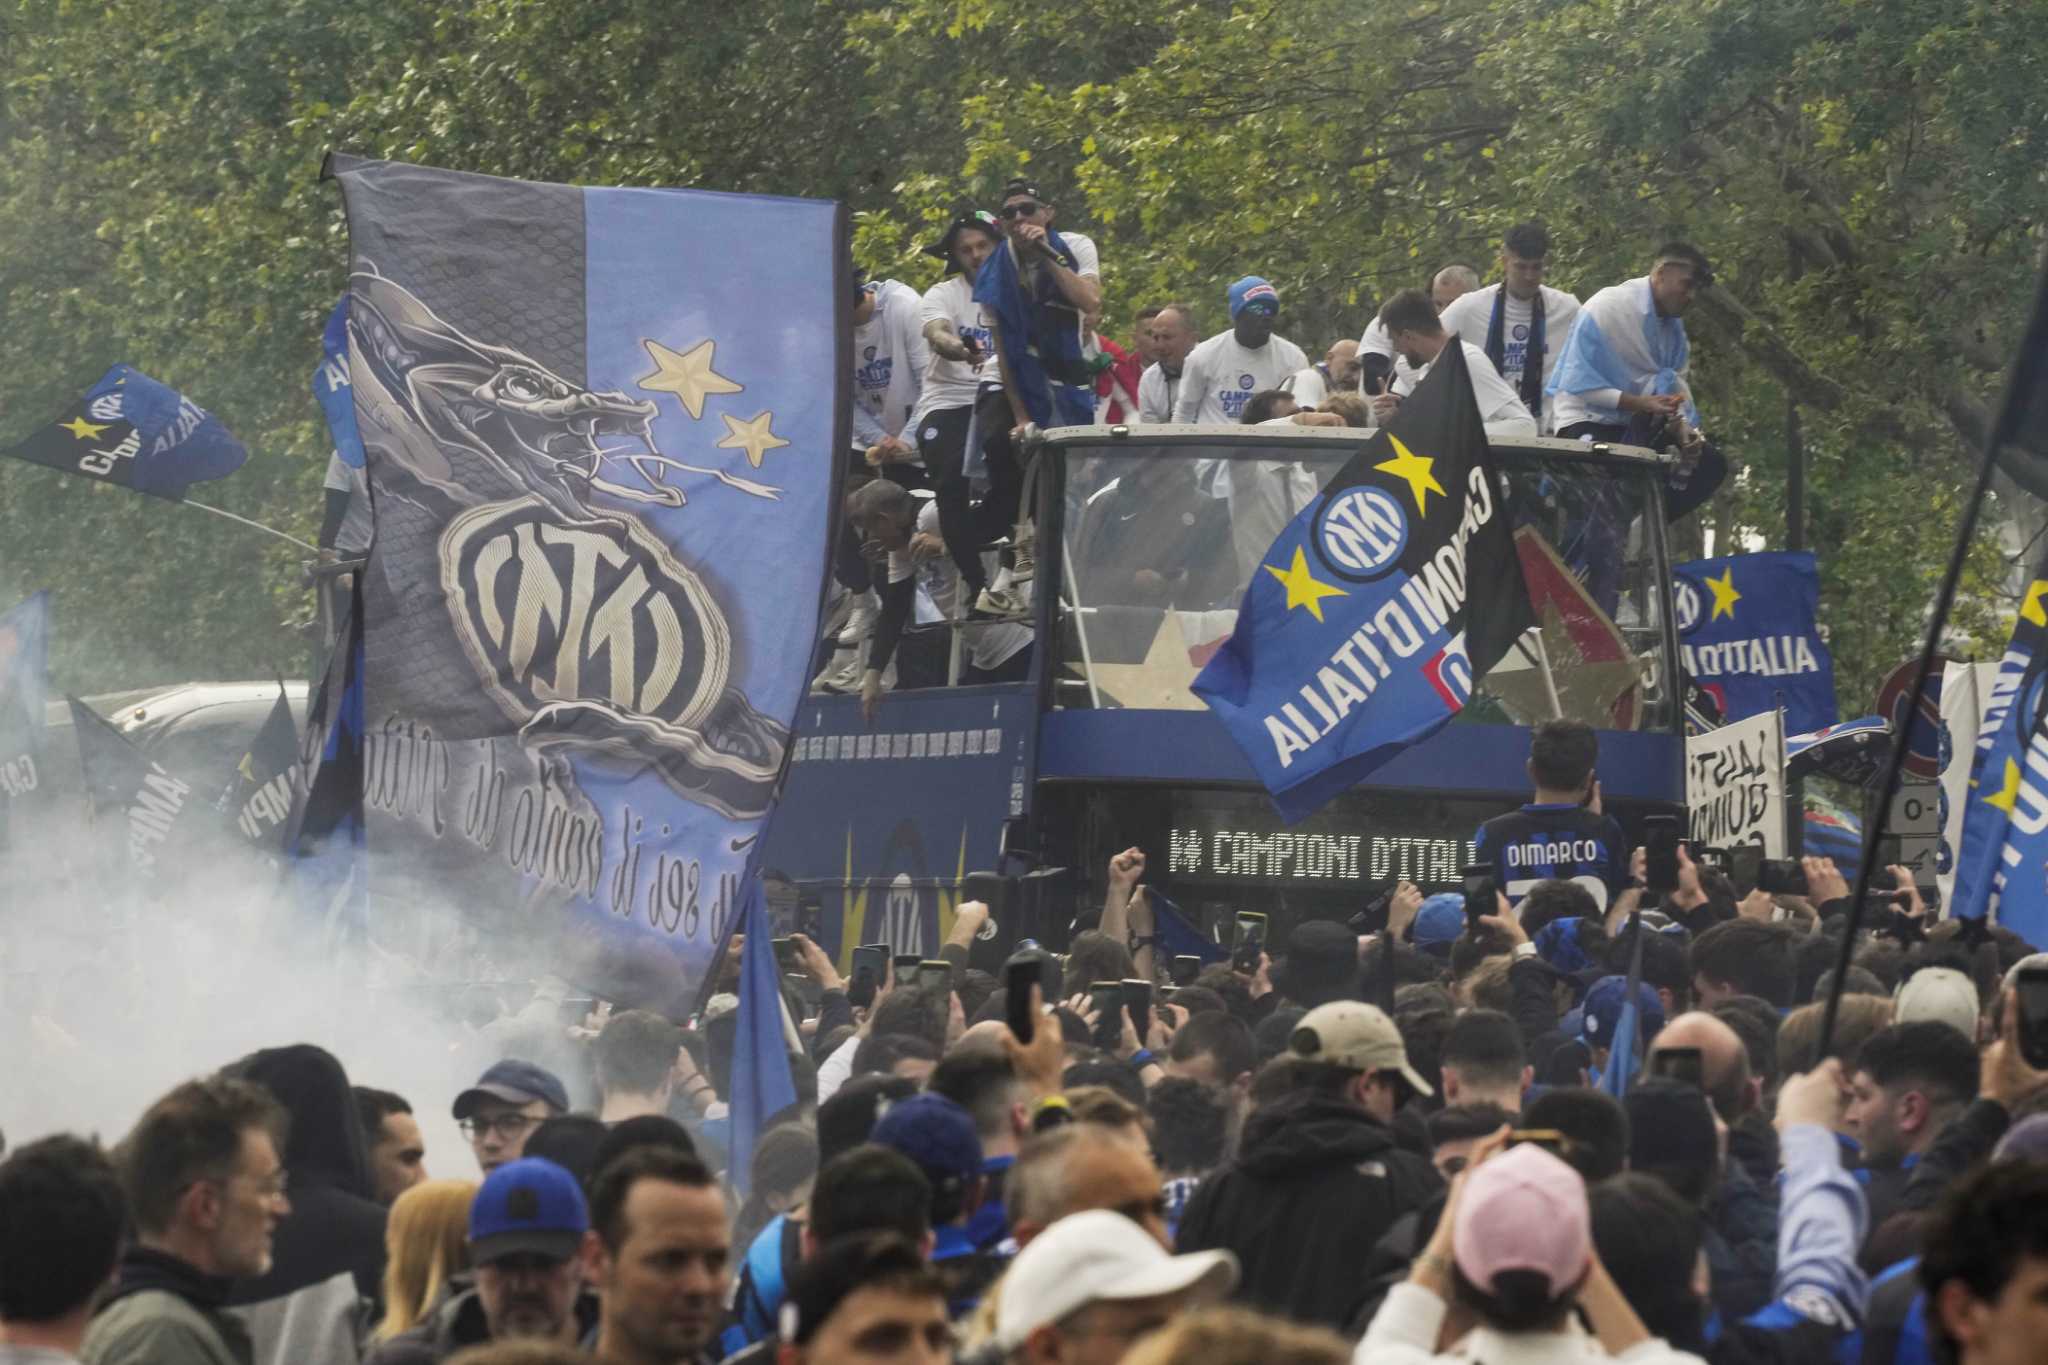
(974, 220)
(514, 1082)
(1020, 186)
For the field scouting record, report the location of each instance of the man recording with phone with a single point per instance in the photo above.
(1561, 833)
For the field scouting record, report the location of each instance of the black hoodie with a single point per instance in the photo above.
(1316, 1183)
(316, 1304)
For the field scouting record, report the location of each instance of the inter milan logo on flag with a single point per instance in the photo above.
(1374, 611)
(1749, 638)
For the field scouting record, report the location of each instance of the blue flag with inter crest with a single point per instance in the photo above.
(134, 432)
(1749, 635)
(331, 387)
(2002, 858)
(596, 425)
(1376, 608)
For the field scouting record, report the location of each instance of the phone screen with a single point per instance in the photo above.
(1137, 996)
(2032, 985)
(935, 978)
(870, 968)
(1479, 894)
(1185, 969)
(1660, 848)
(1680, 1064)
(1251, 941)
(785, 954)
(1020, 973)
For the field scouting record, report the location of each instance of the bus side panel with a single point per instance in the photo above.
(881, 823)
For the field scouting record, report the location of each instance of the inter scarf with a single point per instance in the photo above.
(1532, 359)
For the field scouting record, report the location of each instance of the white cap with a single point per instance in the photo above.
(1941, 994)
(1098, 1255)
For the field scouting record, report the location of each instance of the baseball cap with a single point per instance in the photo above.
(530, 1205)
(1018, 185)
(1321, 956)
(935, 1133)
(1094, 1256)
(514, 1082)
(1523, 1210)
(1941, 994)
(1350, 1034)
(974, 220)
(1439, 922)
(1601, 1013)
(1252, 292)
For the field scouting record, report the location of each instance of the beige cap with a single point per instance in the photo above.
(1351, 1034)
(1941, 994)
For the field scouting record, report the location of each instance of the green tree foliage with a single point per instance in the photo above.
(1865, 174)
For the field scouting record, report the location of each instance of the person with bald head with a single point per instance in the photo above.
(1381, 365)
(1336, 372)
(1725, 1073)
(1450, 284)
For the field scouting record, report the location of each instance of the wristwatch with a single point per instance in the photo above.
(1148, 941)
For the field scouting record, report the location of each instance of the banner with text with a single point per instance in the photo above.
(1735, 784)
(1749, 635)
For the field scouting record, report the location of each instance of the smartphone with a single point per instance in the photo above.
(906, 966)
(1713, 860)
(1027, 967)
(870, 970)
(1891, 851)
(1107, 998)
(1744, 863)
(785, 954)
(2032, 987)
(1781, 876)
(1137, 996)
(1660, 848)
(1249, 941)
(1185, 969)
(990, 888)
(1479, 895)
(935, 978)
(1680, 1064)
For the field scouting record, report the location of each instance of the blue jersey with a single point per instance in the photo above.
(1541, 842)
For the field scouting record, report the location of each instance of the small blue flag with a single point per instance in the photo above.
(1621, 1049)
(1178, 938)
(761, 1084)
(1369, 618)
(324, 838)
(132, 431)
(2003, 857)
(331, 386)
(1749, 634)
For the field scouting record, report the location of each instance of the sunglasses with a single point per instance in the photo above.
(1023, 210)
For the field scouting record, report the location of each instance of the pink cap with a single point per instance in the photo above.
(1523, 1210)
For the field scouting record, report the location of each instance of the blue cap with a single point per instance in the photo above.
(530, 1206)
(1603, 1005)
(514, 1082)
(935, 1133)
(1440, 920)
(1253, 292)
(1558, 944)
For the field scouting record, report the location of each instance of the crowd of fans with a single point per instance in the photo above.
(1421, 1142)
(948, 387)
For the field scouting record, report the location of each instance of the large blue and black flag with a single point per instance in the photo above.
(1368, 620)
(1749, 635)
(597, 426)
(132, 431)
(24, 663)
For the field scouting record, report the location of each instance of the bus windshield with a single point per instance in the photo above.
(1160, 540)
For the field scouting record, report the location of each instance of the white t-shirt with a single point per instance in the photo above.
(1220, 377)
(953, 383)
(352, 538)
(889, 363)
(1309, 386)
(1155, 394)
(987, 645)
(1087, 260)
(1500, 408)
(1470, 315)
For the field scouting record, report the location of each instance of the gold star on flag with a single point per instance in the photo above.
(2032, 609)
(2008, 795)
(1416, 470)
(752, 436)
(81, 428)
(686, 374)
(1725, 596)
(1302, 588)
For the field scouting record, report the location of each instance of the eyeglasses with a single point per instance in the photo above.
(507, 1125)
(1023, 210)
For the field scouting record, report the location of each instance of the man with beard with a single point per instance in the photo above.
(526, 1228)
(661, 1258)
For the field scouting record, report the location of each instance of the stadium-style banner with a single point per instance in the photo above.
(1374, 611)
(161, 824)
(134, 432)
(24, 650)
(1749, 637)
(597, 426)
(1735, 784)
(2004, 844)
(258, 797)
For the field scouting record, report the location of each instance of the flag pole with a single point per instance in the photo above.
(253, 525)
(2002, 432)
